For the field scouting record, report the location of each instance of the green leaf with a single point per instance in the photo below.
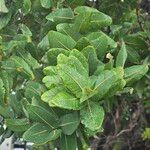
(101, 42)
(92, 116)
(57, 40)
(110, 64)
(53, 53)
(25, 30)
(22, 67)
(4, 19)
(26, 6)
(41, 115)
(74, 62)
(80, 57)
(84, 9)
(73, 80)
(104, 82)
(122, 56)
(69, 123)
(136, 42)
(7, 80)
(50, 70)
(6, 111)
(41, 134)
(2, 92)
(14, 102)
(74, 75)
(51, 81)
(90, 19)
(133, 55)
(68, 142)
(135, 73)
(44, 44)
(48, 95)
(17, 125)
(68, 29)
(90, 53)
(82, 43)
(3, 8)
(65, 100)
(119, 84)
(39, 103)
(52, 77)
(19, 42)
(46, 3)
(33, 90)
(99, 69)
(61, 15)
(29, 59)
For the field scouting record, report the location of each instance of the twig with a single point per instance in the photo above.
(126, 130)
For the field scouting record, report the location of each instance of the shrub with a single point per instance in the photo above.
(67, 49)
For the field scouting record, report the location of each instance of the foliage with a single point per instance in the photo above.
(59, 66)
(146, 134)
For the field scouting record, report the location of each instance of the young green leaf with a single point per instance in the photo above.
(65, 100)
(52, 77)
(122, 56)
(48, 95)
(119, 84)
(81, 58)
(50, 70)
(73, 80)
(74, 75)
(75, 62)
(104, 82)
(51, 81)
(3, 8)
